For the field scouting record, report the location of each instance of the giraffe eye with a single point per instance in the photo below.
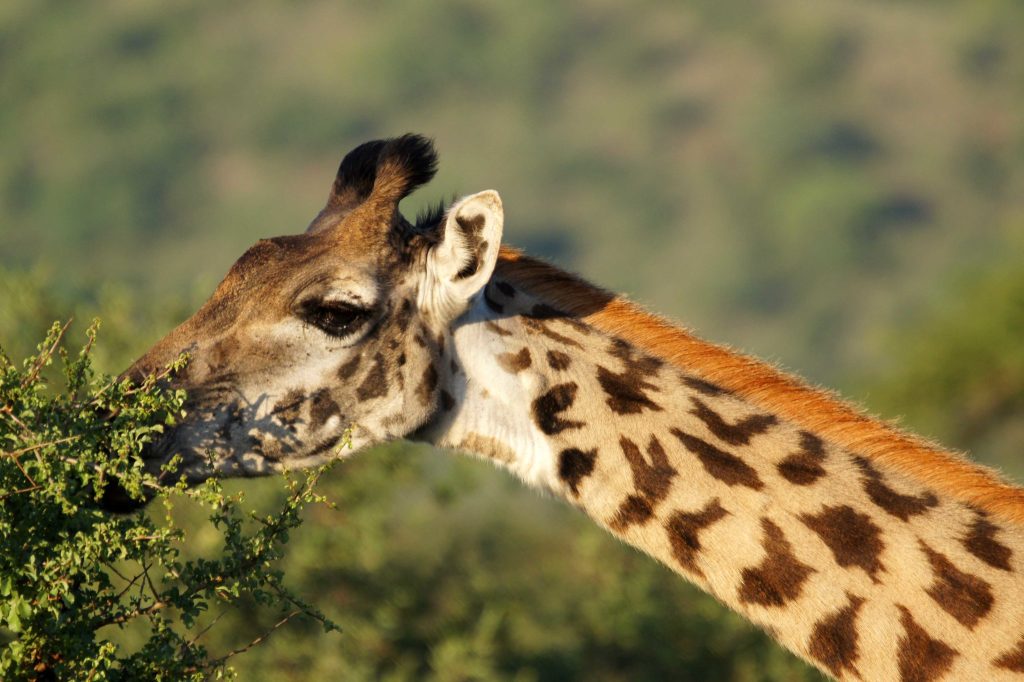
(336, 318)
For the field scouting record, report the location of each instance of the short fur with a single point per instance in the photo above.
(812, 408)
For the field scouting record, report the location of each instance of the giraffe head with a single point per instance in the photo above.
(336, 331)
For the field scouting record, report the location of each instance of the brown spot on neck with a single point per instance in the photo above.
(513, 363)
(833, 640)
(1012, 660)
(535, 326)
(547, 409)
(921, 658)
(725, 466)
(684, 529)
(703, 387)
(558, 360)
(981, 542)
(739, 433)
(804, 467)
(651, 480)
(574, 465)
(780, 577)
(901, 506)
(625, 392)
(853, 537)
(966, 597)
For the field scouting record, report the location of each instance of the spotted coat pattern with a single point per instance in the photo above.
(860, 570)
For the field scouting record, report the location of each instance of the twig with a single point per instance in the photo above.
(142, 584)
(149, 581)
(18, 453)
(126, 587)
(45, 356)
(15, 454)
(22, 469)
(208, 626)
(10, 413)
(241, 650)
(118, 573)
(19, 491)
(134, 613)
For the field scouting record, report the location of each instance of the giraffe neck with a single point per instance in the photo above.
(856, 567)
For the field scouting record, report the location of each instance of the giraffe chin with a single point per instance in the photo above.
(195, 468)
(117, 500)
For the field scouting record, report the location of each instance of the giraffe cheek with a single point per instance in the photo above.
(323, 410)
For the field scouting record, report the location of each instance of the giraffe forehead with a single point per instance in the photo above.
(268, 283)
(351, 283)
(277, 261)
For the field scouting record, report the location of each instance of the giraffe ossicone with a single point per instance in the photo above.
(870, 553)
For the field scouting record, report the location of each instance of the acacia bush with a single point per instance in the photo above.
(74, 577)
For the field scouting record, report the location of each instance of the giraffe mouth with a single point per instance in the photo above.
(115, 497)
(194, 469)
(226, 439)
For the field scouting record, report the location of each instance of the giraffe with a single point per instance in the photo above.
(867, 551)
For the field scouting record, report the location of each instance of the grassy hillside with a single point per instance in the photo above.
(837, 186)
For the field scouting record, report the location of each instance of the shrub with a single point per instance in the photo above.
(73, 577)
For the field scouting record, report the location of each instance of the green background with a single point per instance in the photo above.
(834, 186)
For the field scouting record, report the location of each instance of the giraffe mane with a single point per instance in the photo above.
(812, 408)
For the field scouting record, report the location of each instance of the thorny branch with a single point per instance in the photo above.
(217, 662)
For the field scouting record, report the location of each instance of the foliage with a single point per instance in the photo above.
(71, 574)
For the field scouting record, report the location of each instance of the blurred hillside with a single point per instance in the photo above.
(838, 186)
(806, 174)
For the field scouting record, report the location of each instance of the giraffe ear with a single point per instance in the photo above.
(462, 260)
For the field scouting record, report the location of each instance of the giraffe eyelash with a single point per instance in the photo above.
(335, 318)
